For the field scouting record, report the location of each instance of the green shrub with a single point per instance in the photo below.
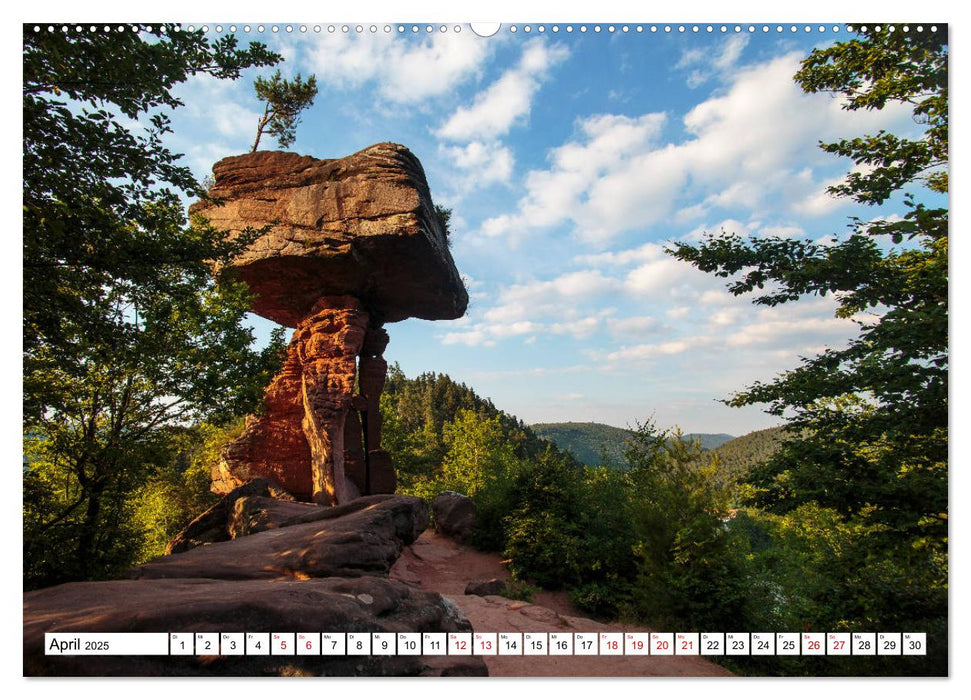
(692, 567)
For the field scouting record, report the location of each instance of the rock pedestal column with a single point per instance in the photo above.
(347, 245)
(317, 438)
(328, 344)
(381, 476)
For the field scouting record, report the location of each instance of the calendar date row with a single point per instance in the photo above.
(487, 644)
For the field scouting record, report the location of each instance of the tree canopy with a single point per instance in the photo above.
(887, 390)
(285, 100)
(869, 451)
(103, 219)
(127, 336)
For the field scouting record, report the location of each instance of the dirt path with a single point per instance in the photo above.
(437, 563)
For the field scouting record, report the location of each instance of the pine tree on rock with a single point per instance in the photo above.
(285, 100)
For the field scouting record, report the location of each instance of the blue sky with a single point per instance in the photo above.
(570, 159)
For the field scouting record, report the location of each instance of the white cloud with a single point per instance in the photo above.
(486, 334)
(705, 65)
(657, 276)
(818, 201)
(751, 146)
(568, 189)
(651, 350)
(580, 328)
(218, 109)
(725, 317)
(782, 231)
(403, 69)
(726, 225)
(221, 106)
(470, 338)
(550, 297)
(803, 333)
(648, 251)
(633, 326)
(731, 51)
(482, 163)
(494, 110)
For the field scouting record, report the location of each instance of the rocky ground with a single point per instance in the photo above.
(254, 563)
(439, 564)
(258, 565)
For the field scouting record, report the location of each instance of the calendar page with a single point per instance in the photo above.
(513, 349)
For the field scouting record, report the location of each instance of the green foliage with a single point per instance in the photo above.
(875, 413)
(444, 216)
(127, 338)
(857, 494)
(178, 491)
(821, 571)
(597, 444)
(878, 68)
(593, 444)
(477, 453)
(738, 457)
(58, 515)
(519, 590)
(571, 528)
(480, 464)
(139, 511)
(415, 413)
(285, 100)
(561, 524)
(101, 205)
(692, 567)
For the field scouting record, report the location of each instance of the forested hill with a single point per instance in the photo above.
(738, 456)
(592, 443)
(417, 410)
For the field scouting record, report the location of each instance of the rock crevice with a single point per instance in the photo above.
(347, 245)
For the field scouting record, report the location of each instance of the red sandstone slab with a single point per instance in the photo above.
(362, 543)
(365, 604)
(363, 225)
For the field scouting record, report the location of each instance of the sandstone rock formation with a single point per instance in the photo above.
(344, 247)
(494, 586)
(205, 605)
(454, 515)
(358, 543)
(310, 568)
(211, 526)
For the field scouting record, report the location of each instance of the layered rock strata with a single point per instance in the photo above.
(273, 566)
(364, 542)
(337, 249)
(206, 605)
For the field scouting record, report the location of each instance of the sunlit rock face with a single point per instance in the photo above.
(341, 247)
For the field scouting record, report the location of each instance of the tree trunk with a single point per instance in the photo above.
(89, 530)
(264, 120)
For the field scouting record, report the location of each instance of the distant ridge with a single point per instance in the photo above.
(738, 456)
(591, 443)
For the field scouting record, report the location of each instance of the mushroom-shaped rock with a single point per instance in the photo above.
(344, 246)
(363, 226)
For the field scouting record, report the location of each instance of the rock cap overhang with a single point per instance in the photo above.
(363, 225)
